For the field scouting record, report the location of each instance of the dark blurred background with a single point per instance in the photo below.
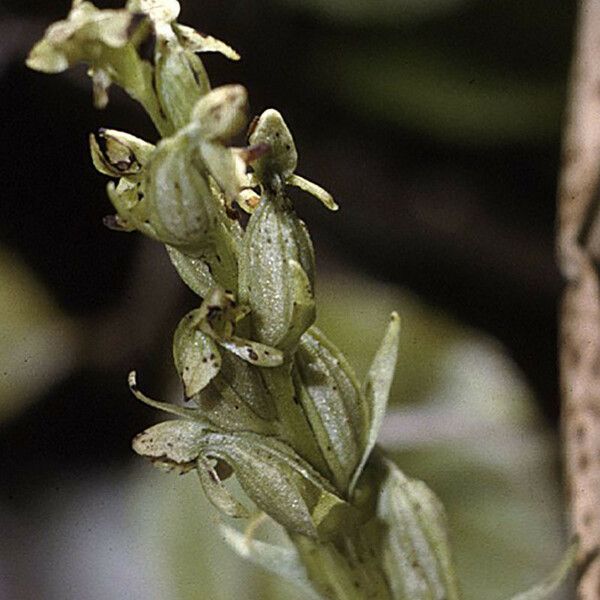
(435, 124)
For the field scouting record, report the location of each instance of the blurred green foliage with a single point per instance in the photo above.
(459, 71)
(374, 12)
(37, 341)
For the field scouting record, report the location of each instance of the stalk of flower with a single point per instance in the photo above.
(268, 399)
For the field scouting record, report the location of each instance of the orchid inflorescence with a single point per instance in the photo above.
(267, 397)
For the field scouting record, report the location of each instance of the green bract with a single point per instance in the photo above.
(329, 394)
(266, 397)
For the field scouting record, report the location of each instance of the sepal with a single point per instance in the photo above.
(194, 272)
(87, 34)
(179, 76)
(281, 161)
(171, 444)
(159, 11)
(107, 41)
(181, 206)
(180, 411)
(217, 317)
(218, 495)
(322, 195)
(222, 113)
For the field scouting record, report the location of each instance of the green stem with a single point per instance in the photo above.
(294, 424)
(347, 568)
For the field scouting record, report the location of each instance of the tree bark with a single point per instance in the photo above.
(577, 246)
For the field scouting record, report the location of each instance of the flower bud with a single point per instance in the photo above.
(275, 168)
(277, 273)
(281, 160)
(181, 206)
(180, 79)
(222, 113)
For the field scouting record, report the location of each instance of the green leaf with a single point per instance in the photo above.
(280, 483)
(171, 444)
(552, 582)
(415, 549)
(277, 273)
(283, 561)
(376, 388)
(327, 389)
(197, 358)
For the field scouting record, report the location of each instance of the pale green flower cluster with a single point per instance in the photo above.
(268, 398)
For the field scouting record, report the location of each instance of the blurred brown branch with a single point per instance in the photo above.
(580, 314)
